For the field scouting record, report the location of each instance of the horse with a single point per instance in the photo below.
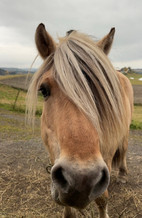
(85, 119)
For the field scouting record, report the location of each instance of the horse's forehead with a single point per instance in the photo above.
(47, 77)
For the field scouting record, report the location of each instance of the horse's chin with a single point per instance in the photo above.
(58, 199)
(55, 195)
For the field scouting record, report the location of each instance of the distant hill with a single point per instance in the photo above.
(2, 72)
(14, 71)
(138, 71)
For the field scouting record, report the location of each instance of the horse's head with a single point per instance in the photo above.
(79, 173)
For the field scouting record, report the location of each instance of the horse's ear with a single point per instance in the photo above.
(44, 41)
(106, 42)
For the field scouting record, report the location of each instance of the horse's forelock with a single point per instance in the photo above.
(97, 91)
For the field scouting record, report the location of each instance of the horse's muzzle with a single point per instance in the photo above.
(77, 187)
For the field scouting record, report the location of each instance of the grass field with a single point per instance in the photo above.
(134, 78)
(137, 117)
(8, 96)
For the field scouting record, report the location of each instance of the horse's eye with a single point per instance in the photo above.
(45, 90)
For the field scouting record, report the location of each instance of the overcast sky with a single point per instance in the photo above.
(19, 19)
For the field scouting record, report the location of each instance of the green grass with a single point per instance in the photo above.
(12, 126)
(137, 117)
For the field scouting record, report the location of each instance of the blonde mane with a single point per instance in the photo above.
(86, 76)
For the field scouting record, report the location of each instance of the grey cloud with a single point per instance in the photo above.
(94, 17)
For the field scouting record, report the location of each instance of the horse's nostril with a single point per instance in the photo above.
(103, 178)
(101, 185)
(58, 177)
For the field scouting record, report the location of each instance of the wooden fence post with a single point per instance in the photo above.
(14, 105)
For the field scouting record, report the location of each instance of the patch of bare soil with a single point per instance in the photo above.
(25, 183)
(137, 94)
(19, 82)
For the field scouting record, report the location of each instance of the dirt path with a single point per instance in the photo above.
(25, 183)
